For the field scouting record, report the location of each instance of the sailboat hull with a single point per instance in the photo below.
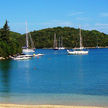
(61, 48)
(77, 52)
(28, 50)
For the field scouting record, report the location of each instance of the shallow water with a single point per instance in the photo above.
(56, 78)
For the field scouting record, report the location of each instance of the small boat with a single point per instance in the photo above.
(38, 54)
(26, 55)
(78, 51)
(21, 58)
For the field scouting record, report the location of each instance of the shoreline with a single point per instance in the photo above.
(43, 106)
(2, 58)
(77, 48)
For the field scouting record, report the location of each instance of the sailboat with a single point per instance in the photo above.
(61, 43)
(28, 37)
(97, 46)
(55, 43)
(80, 50)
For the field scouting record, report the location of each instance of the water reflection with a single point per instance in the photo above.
(5, 75)
(5, 80)
(27, 74)
(81, 74)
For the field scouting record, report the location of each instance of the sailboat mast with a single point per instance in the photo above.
(55, 41)
(32, 44)
(61, 41)
(80, 38)
(27, 44)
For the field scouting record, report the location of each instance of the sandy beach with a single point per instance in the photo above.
(43, 106)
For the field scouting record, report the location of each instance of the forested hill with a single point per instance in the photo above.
(44, 38)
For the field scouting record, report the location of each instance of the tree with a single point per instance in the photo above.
(5, 32)
(8, 43)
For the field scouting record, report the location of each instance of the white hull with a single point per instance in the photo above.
(27, 55)
(61, 48)
(28, 50)
(77, 52)
(21, 58)
(38, 54)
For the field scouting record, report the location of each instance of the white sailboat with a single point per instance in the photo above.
(97, 46)
(61, 44)
(55, 43)
(80, 50)
(28, 49)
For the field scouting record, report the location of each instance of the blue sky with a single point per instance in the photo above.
(40, 14)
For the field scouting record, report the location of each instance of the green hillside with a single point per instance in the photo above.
(44, 38)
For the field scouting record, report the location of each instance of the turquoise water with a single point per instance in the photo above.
(56, 78)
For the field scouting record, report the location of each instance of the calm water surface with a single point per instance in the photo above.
(56, 78)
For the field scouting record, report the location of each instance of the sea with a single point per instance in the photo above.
(56, 78)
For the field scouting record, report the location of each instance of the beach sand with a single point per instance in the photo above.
(43, 106)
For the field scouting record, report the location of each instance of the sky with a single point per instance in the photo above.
(41, 14)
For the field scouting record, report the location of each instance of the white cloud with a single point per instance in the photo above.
(76, 13)
(102, 25)
(83, 18)
(105, 14)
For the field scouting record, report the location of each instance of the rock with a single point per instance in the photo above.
(2, 58)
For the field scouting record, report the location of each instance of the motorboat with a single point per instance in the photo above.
(21, 58)
(38, 54)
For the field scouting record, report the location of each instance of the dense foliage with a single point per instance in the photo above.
(8, 44)
(44, 38)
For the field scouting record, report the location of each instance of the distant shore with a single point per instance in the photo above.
(43, 106)
(77, 48)
(2, 58)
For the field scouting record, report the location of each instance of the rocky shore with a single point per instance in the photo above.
(2, 58)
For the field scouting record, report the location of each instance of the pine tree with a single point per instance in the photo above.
(8, 46)
(5, 32)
